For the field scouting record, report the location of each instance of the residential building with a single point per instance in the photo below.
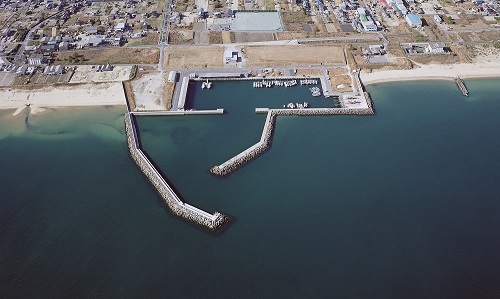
(53, 70)
(435, 48)
(37, 59)
(413, 21)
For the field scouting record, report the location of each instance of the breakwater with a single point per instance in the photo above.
(176, 205)
(252, 152)
(265, 141)
(178, 112)
(461, 86)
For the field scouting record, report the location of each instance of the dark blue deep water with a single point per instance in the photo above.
(405, 203)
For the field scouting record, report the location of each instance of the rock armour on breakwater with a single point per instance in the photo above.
(250, 153)
(178, 207)
(265, 142)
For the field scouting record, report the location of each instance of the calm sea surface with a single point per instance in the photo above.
(405, 203)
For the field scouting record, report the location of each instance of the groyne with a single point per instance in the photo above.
(461, 86)
(265, 141)
(176, 205)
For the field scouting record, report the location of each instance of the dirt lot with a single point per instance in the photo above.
(480, 36)
(149, 91)
(111, 56)
(295, 20)
(309, 72)
(193, 57)
(340, 80)
(265, 56)
(468, 21)
(150, 39)
(181, 37)
(245, 37)
(451, 58)
(84, 74)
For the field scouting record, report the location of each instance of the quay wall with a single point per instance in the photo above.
(270, 78)
(176, 205)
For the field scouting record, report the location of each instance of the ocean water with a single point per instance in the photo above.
(405, 203)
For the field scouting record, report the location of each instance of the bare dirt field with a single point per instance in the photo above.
(181, 37)
(340, 80)
(85, 74)
(265, 56)
(295, 20)
(309, 72)
(110, 55)
(149, 91)
(193, 57)
(247, 37)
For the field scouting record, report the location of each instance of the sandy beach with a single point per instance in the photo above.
(483, 67)
(62, 96)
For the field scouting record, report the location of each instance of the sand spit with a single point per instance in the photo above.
(101, 94)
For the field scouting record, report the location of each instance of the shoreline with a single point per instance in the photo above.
(88, 95)
(433, 72)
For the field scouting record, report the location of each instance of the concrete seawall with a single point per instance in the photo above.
(265, 142)
(176, 205)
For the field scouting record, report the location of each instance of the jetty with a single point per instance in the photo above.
(461, 86)
(179, 208)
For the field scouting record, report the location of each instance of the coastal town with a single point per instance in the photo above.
(249, 149)
(56, 43)
(148, 55)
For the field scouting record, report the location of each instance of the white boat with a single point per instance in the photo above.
(315, 91)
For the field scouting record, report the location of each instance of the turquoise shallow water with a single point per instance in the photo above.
(402, 204)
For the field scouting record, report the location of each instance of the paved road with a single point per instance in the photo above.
(164, 34)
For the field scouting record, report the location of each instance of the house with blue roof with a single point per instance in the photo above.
(413, 21)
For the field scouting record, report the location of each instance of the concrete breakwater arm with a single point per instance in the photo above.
(176, 205)
(252, 152)
(265, 142)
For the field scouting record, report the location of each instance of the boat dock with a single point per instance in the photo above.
(177, 206)
(461, 85)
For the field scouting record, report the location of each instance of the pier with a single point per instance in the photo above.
(461, 85)
(176, 205)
